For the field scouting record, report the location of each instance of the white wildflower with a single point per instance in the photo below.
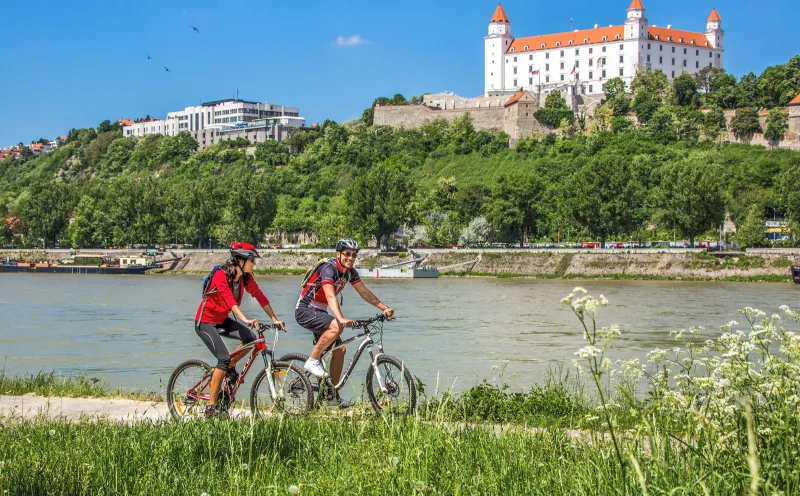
(603, 301)
(294, 489)
(579, 290)
(51, 433)
(606, 363)
(2, 463)
(204, 494)
(588, 352)
(656, 355)
(245, 466)
(419, 485)
(395, 461)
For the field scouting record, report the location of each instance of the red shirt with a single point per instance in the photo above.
(219, 304)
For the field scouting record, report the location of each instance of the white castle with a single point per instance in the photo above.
(580, 62)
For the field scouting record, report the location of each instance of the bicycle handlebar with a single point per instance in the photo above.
(361, 324)
(269, 327)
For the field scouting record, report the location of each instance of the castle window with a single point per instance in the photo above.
(680, 40)
(591, 50)
(661, 60)
(530, 68)
(709, 55)
(684, 51)
(590, 86)
(697, 52)
(577, 51)
(669, 38)
(591, 75)
(697, 65)
(684, 63)
(530, 57)
(673, 49)
(515, 83)
(547, 78)
(577, 63)
(622, 47)
(530, 81)
(570, 42)
(515, 71)
(562, 65)
(558, 43)
(616, 37)
(515, 58)
(648, 46)
(621, 59)
(658, 36)
(605, 38)
(673, 74)
(577, 76)
(562, 77)
(604, 49)
(586, 40)
(673, 61)
(648, 58)
(525, 47)
(547, 67)
(603, 74)
(621, 71)
(562, 53)
(591, 62)
(694, 42)
(547, 55)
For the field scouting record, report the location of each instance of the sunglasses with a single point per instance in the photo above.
(350, 254)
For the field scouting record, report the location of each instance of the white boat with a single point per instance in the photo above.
(408, 269)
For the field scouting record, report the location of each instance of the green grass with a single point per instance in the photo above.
(50, 385)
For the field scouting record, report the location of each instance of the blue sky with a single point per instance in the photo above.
(72, 64)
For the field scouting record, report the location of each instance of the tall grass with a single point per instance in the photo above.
(51, 385)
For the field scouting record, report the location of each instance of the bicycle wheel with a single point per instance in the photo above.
(292, 388)
(188, 389)
(400, 395)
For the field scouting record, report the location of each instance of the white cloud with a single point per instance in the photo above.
(356, 39)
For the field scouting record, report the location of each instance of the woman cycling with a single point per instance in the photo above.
(223, 295)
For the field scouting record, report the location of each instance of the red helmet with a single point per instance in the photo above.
(240, 249)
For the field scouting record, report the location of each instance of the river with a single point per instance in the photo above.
(131, 331)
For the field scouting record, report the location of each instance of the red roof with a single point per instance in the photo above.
(62, 138)
(714, 16)
(636, 4)
(499, 15)
(126, 122)
(514, 98)
(611, 33)
(796, 101)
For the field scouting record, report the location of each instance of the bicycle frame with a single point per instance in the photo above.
(366, 343)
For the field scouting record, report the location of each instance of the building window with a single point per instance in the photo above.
(621, 71)
(547, 79)
(621, 59)
(547, 55)
(697, 65)
(577, 51)
(577, 63)
(515, 83)
(591, 62)
(562, 77)
(622, 47)
(673, 74)
(577, 76)
(515, 69)
(590, 87)
(709, 54)
(591, 50)
(661, 60)
(697, 52)
(604, 48)
(515, 58)
(591, 75)
(603, 74)
(684, 51)
(717, 55)
(562, 53)
(525, 48)
(660, 48)
(530, 57)
(648, 46)
(547, 67)
(648, 58)
(673, 49)
(530, 80)
(684, 63)
(673, 61)
(562, 65)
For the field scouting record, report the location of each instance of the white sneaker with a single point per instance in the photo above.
(314, 367)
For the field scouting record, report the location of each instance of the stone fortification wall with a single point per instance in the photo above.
(413, 116)
(447, 101)
(790, 141)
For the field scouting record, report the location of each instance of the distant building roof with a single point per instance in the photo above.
(714, 16)
(499, 15)
(126, 122)
(228, 100)
(636, 4)
(514, 98)
(796, 101)
(62, 138)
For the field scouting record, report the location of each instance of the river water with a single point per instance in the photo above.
(131, 331)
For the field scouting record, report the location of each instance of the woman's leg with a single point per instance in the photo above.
(209, 333)
(237, 330)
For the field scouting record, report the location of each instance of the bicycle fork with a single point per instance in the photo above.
(278, 395)
(374, 359)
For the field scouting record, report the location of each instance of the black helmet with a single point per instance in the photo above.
(347, 244)
(243, 250)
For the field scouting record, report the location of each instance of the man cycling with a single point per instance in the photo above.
(319, 295)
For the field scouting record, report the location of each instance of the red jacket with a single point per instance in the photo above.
(219, 304)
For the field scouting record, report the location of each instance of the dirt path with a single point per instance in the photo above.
(32, 406)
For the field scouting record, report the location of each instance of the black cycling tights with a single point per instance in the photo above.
(210, 334)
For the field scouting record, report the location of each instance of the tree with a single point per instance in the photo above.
(748, 92)
(46, 212)
(605, 196)
(272, 152)
(750, 233)
(661, 126)
(683, 91)
(555, 111)
(714, 123)
(378, 202)
(516, 207)
(479, 231)
(690, 196)
(745, 123)
(777, 125)
(104, 127)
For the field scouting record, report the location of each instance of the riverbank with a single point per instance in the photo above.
(688, 265)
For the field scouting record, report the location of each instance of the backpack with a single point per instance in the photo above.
(207, 281)
(313, 270)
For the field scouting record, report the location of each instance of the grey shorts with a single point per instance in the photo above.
(315, 320)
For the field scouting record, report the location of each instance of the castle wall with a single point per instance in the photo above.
(790, 141)
(414, 116)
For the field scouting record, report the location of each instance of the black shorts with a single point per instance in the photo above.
(315, 320)
(210, 334)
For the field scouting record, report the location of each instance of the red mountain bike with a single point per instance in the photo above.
(279, 388)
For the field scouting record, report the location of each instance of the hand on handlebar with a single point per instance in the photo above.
(252, 323)
(346, 322)
(280, 325)
(388, 312)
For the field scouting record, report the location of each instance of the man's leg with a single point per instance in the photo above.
(326, 339)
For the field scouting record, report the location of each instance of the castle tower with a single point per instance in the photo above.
(636, 23)
(496, 46)
(714, 33)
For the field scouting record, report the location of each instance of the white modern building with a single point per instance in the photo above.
(212, 122)
(582, 61)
